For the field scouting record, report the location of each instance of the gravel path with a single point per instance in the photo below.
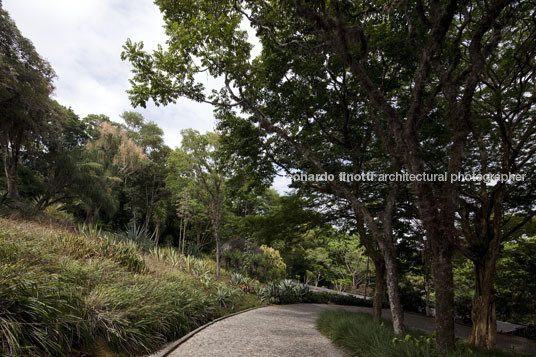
(281, 330)
(289, 331)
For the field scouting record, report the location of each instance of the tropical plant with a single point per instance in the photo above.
(236, 278)
(139, 235)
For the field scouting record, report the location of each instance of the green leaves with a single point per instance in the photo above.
(204, 36)
(28, 113)
(197, 168)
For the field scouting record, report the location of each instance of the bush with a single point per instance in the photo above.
(288, 292)
(331, 298)
(89, 245)
(272, 266)
(264, 266)
(138, 235)
(411, 290)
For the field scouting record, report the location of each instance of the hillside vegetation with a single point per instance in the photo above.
(73, 292)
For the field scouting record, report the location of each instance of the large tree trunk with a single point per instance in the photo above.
(367, 278)
(397, 312)
(444, 288)
(441, 236)
(483, 316)
(426, 275)
(427, 307)
(484, 329)
(12, 185)
(379, 290)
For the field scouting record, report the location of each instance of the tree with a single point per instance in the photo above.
(145, 187)
(112, 157)
(336, 257)
(159, 218)
(416, 68)
(319, 262)
(196, 169)
(26, 84)
(514, 290)
(503, 141)
(515, 285)
(350, 259)
(61, 159)
(443, 46)
(284, 222)
(295, 100)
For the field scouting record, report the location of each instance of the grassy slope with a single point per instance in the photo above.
(357, 334)
(63, 293)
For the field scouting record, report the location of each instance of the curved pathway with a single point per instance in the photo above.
(289, 331)
(279, 330)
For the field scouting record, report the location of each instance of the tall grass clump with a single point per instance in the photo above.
(358, 335)
(39, 315)
(92, 241)
(86, 292)
(139, 235)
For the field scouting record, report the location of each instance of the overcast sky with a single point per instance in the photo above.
(83, 39)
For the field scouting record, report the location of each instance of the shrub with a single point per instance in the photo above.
(264, 266)
(236, 278)
(39, 314)
(288, 292)
(58, 211)
(272, 266)
(411, 290)
(138, 235)
(94, 244)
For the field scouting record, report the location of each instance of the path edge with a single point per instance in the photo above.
(166, 351)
